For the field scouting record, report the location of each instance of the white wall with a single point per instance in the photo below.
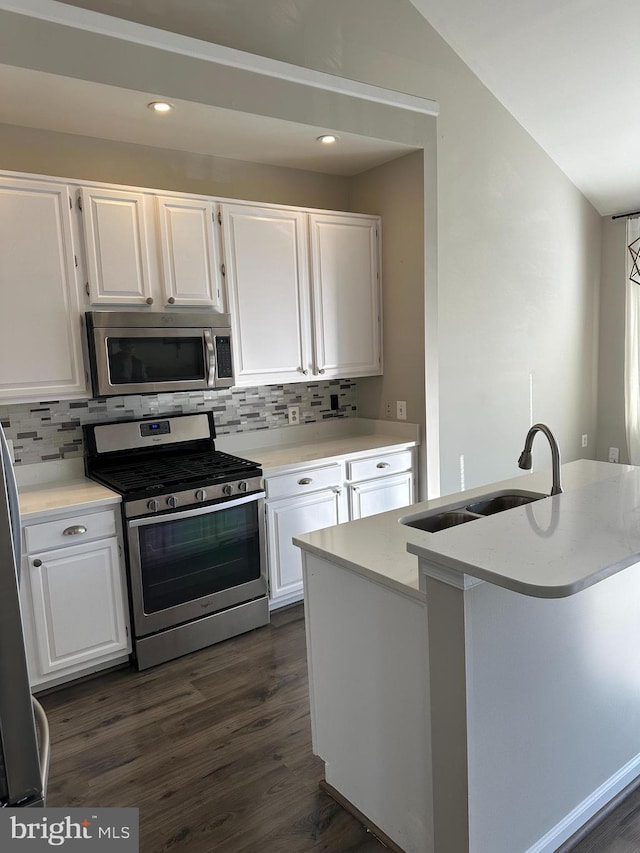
(611, 430)
(518, 245)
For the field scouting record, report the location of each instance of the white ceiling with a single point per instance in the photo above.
(568, 70)
(35, 99)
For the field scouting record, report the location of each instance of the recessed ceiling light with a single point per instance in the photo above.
(160, 106)
(327, 139)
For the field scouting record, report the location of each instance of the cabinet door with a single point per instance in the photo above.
(290, 517)
(116, 243)
(380, 495)
(190, 262)
(78, 605)
(346, 295)
(267, 286)
(40, 340)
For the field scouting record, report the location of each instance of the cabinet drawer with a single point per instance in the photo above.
(303, 481)
(69, 530)
(379, 466)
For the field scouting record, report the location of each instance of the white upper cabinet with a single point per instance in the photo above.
(268, 292)
(346, 294)
(116, 244)
(40, 334)
(189, 251)
(302, 310)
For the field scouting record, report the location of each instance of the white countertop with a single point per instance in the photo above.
(290, 446)
(273, 458)
(384, 550)
(550, 548)
(63, 496)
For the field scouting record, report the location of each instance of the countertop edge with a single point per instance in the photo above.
(364, 571)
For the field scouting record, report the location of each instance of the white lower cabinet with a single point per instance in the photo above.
(311, 502)
(312, 497)
(73, 597)
(380, 483)
(380, 495)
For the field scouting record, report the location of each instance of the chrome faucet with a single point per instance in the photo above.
(525, 457)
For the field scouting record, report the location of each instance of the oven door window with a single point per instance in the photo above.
(198, 555)
(155, 359)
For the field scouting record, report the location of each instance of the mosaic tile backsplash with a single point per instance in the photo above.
(53, 430)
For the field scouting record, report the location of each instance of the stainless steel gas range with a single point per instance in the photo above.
(193, 522)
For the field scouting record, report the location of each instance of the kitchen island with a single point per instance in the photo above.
(477, 689)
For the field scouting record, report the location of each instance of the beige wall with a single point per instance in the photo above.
(611, 430)
(48, 153)
(395, 192)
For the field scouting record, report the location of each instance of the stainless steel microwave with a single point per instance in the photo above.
(137, 352)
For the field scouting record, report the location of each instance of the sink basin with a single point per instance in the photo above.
(445, 517)
(440, 520)
(500, 502)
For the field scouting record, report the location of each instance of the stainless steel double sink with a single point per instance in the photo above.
(460, 513)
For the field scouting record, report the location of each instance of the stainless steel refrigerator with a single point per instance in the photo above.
(24, 733)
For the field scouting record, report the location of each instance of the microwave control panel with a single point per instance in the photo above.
(223, 356)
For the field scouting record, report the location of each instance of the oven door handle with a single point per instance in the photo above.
(211, 359)
(201, 510)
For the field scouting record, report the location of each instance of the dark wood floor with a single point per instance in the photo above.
(215, 751)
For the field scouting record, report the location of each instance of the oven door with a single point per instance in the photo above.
(184, 565)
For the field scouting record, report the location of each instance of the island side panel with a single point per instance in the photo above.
(553, 710)
(367, 652)
(447, 679)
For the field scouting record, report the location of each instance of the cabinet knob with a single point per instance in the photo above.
(149, 300)
(305, 481)
(76, 530)
(302, 370)
(382, 465)
(37, 563)
(171, 300)
(321, 370)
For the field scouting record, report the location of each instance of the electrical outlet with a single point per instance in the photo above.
(585, 440)
(614, 454)
(388, 409)
(293, 413)
(401, 410)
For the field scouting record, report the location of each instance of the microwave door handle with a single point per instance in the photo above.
(211, 359)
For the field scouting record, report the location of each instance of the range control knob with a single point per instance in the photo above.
(242, 486)
(172, 501)
(201, 495)
(153, 505)
(227, 490)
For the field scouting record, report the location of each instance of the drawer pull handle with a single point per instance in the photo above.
(37, 563)
(382, 465)
(305, 481)
(75, 530)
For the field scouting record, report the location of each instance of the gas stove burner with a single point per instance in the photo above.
(175, 472)
(169, 462)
